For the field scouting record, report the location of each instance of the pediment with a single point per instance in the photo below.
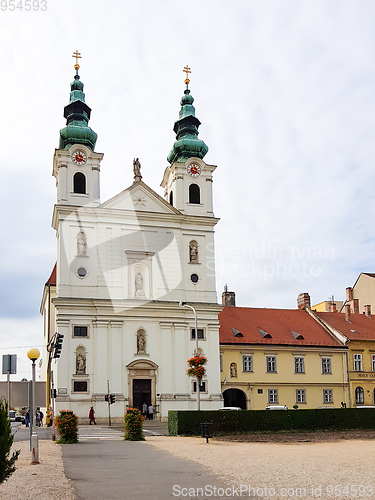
(140, 198)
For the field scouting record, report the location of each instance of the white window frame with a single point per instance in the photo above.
(327, 396)
(273, 396)
(247, 363)
(81, 336)
(357, 362)
(360, 393)
(326, 365)
(300, 396)
(203, 383)
(299, 364)
(271, 366)
(192, 335)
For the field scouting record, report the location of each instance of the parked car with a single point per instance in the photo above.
(276, 407)
(20, 418)
(12, 415)
(230, 408)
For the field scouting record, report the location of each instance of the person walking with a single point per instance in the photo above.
(92, 415)
(150, 412)
(27, 417)
(144, 410)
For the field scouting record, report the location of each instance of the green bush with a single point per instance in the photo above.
(133, 421)
(7, 462)
(188, 423)
(67, 426)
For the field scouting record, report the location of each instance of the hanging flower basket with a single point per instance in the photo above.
(196, 366)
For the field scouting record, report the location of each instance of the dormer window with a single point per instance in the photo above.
(297, 335)
(79, 183)
(264, 334)
(194, 194)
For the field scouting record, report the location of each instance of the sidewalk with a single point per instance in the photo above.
(131, 470)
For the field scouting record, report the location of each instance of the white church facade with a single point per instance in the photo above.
(123, 267)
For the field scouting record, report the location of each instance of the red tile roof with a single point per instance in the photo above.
(360, 328)
(52, 278)
(279, 323)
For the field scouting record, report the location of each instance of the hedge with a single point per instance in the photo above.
(188, 422)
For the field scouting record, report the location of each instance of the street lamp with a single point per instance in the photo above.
(33, 354)
(183, 304)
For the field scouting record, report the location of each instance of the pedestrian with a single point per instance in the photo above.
(92, 415)
(41, 415)
(150, 412)
(144, 410)
(27, 417)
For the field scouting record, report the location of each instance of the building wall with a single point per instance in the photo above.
(364, 291)
(366, 377)
(313, 381)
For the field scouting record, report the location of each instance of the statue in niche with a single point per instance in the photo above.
(193, 250)
(233, 370)
(137, 170)
(81, 244)
(141, 343)
(139, 285)
(81, 364)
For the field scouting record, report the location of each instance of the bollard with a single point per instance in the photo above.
(34, 449)
(206, 431)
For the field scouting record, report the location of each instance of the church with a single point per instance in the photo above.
(123, 269)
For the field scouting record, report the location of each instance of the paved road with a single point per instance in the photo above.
(103, 466)
(22, 433)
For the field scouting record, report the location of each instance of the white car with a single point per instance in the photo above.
(230, 408)
(277, 407)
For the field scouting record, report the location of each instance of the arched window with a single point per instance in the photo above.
(79, 183)
(171, 198)
(359, 396)
(194, 194)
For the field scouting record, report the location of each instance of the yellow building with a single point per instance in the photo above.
(359, 331)
(280, 357)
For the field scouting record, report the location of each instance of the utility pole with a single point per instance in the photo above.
(109, 405)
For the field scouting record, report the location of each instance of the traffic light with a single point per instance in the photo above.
(107, 397)
(58, 345)
(112, 398)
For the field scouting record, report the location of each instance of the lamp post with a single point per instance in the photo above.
(33, 354)
(183, 304)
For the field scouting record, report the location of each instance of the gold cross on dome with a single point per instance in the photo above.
(77, 55)
(187, 70)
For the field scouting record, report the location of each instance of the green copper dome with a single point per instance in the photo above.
(186, 127)
(77, 115)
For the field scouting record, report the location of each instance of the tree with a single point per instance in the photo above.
(7, 462)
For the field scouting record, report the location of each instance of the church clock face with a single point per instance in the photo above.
(194, 170)
(79, 157)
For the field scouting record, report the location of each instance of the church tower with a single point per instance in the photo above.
(76, 166)
(187, 182)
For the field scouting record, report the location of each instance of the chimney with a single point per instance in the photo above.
(348, 315)
(356, 306)
(332, 307)
(368, 311)
(303, 301)
(349, 293)
(228, 299)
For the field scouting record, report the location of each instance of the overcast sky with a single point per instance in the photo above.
(285, 91)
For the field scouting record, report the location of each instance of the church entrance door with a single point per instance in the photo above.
(141, 392)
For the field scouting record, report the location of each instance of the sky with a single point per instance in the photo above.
(285, 92)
